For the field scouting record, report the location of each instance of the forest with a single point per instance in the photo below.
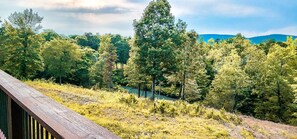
(162, 56)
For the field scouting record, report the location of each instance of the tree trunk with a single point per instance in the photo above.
(159, 90)
(116, 65)
(139, 85)
(145, 91)
(60, 79)
(183, 86)
(180, 90)
(235, 102)
(153, 88)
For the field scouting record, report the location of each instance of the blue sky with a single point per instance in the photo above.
(249, 17)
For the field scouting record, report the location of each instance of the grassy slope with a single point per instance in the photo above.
(130, 117)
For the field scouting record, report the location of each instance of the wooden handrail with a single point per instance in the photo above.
(25, 105)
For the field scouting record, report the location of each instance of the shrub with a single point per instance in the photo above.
(164, 108)
(130, 99)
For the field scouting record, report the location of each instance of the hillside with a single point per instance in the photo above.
(256, 40)
(130, 117)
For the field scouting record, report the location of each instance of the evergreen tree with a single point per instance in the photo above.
(191, 72)
(276, 96)
(154, 34)
(229, 84)
(255, 59)
(101, 72)
(132, 70)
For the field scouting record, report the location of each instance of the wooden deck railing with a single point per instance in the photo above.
(27, 114)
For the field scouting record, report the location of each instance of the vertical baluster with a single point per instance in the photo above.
(33, 127)
(30, 127)
(24, 124)
(27, 125)
(42, 130)
(46, 134)
(52, 137)
(38, 130)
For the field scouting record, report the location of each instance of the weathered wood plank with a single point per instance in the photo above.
(57, 119)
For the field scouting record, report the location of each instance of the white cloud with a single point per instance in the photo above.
(86, 4)
(291, 30)
(77, 16)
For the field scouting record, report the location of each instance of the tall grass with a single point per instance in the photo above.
(130, 117)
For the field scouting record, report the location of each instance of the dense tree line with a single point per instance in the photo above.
(233, 74)
(27, 53)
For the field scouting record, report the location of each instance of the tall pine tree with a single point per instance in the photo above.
(101, 72)
(154, 34)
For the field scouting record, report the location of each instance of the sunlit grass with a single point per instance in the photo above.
(130, 117)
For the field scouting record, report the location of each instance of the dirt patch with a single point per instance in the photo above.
(68, 96)
(76, 98)
(264, 129)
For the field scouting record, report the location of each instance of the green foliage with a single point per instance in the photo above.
(49, 35)
(191, 74)
(130, 99)
(96, 75)
(88, 40)
(22, 46)
(132, 69)
(60, 57)
(255, 68)
(122, 47)
(81, 73)
(164, 108)
(171, 91)
(230, 83)
(247, 134)
(2, 46)
(276, 95)
(101, 71)
(118, 77)
(154, 34)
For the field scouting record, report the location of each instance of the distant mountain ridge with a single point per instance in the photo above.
(256, 39)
